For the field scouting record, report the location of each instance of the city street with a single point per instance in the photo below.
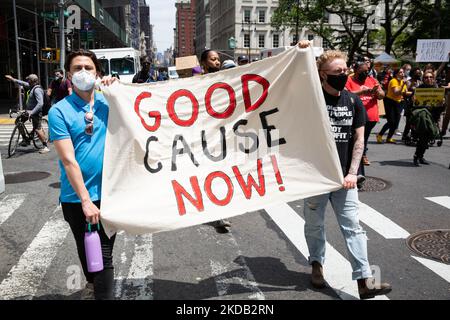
(263, 257)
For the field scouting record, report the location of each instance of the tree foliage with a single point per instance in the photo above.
(426, 19)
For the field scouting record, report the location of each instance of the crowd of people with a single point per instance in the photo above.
(78, 125)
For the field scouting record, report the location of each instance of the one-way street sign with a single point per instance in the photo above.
(66, 31)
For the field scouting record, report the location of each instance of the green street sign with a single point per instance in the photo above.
(232, 43)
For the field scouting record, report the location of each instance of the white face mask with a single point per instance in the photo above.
(83, 80)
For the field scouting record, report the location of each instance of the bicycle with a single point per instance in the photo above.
(20, 130)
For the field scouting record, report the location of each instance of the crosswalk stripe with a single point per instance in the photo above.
(381, 224)
(24, 279)
(139, 281)
(443, 201)
(9, 204)
(441, 269)
(337, 270)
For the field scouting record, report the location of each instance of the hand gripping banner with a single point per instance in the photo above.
(200, 149)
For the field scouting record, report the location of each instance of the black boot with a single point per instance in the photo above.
(416, 161)
(423, 161)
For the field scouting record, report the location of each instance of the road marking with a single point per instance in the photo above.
(381, 224)
(138, 285)
(9, 204)
(441, 269)
(337, 269)
(226, 274)
(443, 201)
(24, 279)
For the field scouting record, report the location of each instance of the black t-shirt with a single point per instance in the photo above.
(346, 114)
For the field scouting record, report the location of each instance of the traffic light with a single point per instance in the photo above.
(50, 54)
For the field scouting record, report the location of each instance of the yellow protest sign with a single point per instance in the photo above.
(431, 97)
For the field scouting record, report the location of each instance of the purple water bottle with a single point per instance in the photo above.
(93, 250)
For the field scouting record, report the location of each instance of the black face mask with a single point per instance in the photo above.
(337, 82)
(362, 76)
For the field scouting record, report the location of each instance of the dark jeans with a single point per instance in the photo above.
(393, 113)
(103, 280)
(422, 145)
(367, 130)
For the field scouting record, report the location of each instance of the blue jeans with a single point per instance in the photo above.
(345, 206)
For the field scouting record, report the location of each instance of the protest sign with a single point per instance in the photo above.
(431, 97)
(199, 149)
(432, 50)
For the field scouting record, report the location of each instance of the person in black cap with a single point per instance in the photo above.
(242, 60)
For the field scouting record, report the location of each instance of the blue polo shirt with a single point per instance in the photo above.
(66, 121)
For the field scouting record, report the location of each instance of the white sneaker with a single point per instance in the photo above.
(88, 292)
(44, 150)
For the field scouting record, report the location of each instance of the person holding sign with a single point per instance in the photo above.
(77, 125)
(347, 117)
(426, 115)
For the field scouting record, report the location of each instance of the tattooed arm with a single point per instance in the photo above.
(358, 149)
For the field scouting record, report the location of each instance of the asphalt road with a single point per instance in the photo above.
(263, 257)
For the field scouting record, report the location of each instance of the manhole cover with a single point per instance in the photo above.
(433, 244)
(27, 176)
(374, 184)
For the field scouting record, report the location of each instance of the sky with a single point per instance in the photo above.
(162, 17)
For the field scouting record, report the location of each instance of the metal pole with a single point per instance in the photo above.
(17, 53)
(297, 22)
(45, 45)
(62, 53)
(37, 41)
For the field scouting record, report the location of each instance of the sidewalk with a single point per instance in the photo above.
(5, 105)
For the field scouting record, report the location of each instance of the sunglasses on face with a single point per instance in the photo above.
(89, 117)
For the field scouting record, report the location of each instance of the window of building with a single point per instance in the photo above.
(310, 37)
(262, 16)
(276, 40)
(247, 13)
(246, 41)
(262, 41)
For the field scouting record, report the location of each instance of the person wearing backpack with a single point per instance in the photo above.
(424, 121)
(34, 105)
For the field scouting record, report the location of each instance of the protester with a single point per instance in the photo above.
(59, 87)
(242, 60)
(34, 103)
(412, 84)
(333, 74)
(197, 71)
(392, 105)
(146, 74)
(425, 136)
(407, 70)
(369, 91)
(228, 64)
(78, 129)
(210, 62)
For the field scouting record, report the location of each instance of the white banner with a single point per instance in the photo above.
(433, 50)
(199, 149)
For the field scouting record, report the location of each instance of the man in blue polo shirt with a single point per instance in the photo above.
(78, 129)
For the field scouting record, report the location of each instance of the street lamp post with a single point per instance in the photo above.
(249, 23)
(62, 54)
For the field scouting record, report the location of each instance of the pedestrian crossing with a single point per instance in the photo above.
(135, 265)
(6, 131)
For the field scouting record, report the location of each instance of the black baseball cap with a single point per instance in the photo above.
(242, 58)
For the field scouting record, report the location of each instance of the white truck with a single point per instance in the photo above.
(124, 62)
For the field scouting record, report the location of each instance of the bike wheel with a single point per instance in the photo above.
(36, 141)
(13, 141)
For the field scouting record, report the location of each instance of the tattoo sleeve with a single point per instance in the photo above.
(357, 153)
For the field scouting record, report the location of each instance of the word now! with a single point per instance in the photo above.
(246, 186)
